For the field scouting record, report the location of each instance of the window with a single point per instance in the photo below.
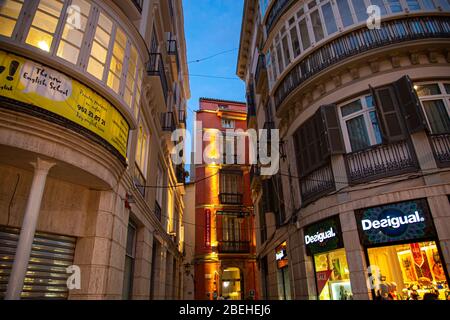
(44, 24)
(262, 222)
(360, 10)
(231, 186)
(286, 53)
(395, 6)
(435, 99)
(130, 255)
(227, 123)
(233, 229)
(9, 13)
(142, 148)
(330, 21)
(304, 35)
(413, 5)
(360, 123)
(295, 42)
(317, 25)
(72, 36)
(159, 182)
(445, 4)
(428, 4)
(100, 46)
(380, 4)
(133, 81)
(279, 58)
(344, 10)
(117, 58)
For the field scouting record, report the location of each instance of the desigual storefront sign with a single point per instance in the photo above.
(323, 236)
(34, 84)
(410, 220)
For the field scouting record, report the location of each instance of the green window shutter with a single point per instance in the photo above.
(332, 141)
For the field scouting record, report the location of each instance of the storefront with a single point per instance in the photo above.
(324, 244)
(283, 279)
(402, 251)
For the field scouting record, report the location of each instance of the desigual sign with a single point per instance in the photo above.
(324, 235)
(37, 85)
(409, 220)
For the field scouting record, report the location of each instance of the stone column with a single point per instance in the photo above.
(355, 257)
(20, 265)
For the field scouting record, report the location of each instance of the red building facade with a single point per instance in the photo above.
(225, 264)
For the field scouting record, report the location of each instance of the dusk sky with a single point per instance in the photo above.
(213, 27)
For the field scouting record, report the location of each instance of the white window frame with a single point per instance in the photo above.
(444, 96)
(231, 121)
(144, 147)
(365, 112)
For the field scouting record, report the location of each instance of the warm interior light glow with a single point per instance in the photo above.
(226, 284)
(415, 87)
(43, 45)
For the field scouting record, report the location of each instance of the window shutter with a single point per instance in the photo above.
(410, 105)
(331, 135)
(267, 196)
(388, 112)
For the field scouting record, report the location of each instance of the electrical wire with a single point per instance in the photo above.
(12, 198)
(213, 76)
(212, 56)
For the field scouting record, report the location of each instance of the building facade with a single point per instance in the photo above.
(90, 93)
(363, 113)
(224, 260)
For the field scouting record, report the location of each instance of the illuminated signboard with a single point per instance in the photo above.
(409, 220)
(323, 236)
(281, 255)
(37, 85)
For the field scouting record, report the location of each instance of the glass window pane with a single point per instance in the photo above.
(10, 8)
(330, 21)
(344, 10)
(413, 5)
(99, 52)
(395, 6)
(380, 4)
(6, 26)
(437, 116)
(428, 4)
(360, 10)
(279, 58)
(351, 108)
(45, 22)
(447, 87)
(105, 23)
(295, 42)
(39, 39)
(427, 89)
(317, 25)
(286, 53)
(357, 133)
(68, 52)
(72, 35)
(113, 82)
(85, 7)
(445, 4)
(95, 68)
(375, 127)
(304, 34)
(51, 6)
(102, 37)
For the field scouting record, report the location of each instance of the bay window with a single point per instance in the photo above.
(317, 25)
(346, 14)
(142, 148)
(72, 35)
(360, 10)
(435, 99)
(360, 124)
(43, 27)
(304, 34)
(100, 46)
(117, 59)
(328, 17)
(9, 13)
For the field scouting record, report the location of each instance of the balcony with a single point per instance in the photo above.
(180, 173)
(168, 121)
(182, 117)
(261, 74)
(357, 42)
(381, 161)
(317, 184)
(139, 180)
(157, 210)
(230, 198)
(172, 52)
(234, 247)
(440, 144)
(157, 74)
(278, 8)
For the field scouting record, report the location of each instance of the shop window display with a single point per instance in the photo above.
(332, 275)
(411, 271)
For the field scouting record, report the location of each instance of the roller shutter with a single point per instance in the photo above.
(46, 275)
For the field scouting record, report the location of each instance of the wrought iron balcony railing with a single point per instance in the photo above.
(357, 42)
(317, 183)
(155, 67)
(167, 121)
(139, 180)
(230, 198)
(381, 161)
(440, 143)
(158, 211)
(278, 8)
(234, 247)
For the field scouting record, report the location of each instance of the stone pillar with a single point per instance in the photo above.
(305, 280)
(23, 252)
(355, 257)
(142, 264)
(425, 156)
(440, 210)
